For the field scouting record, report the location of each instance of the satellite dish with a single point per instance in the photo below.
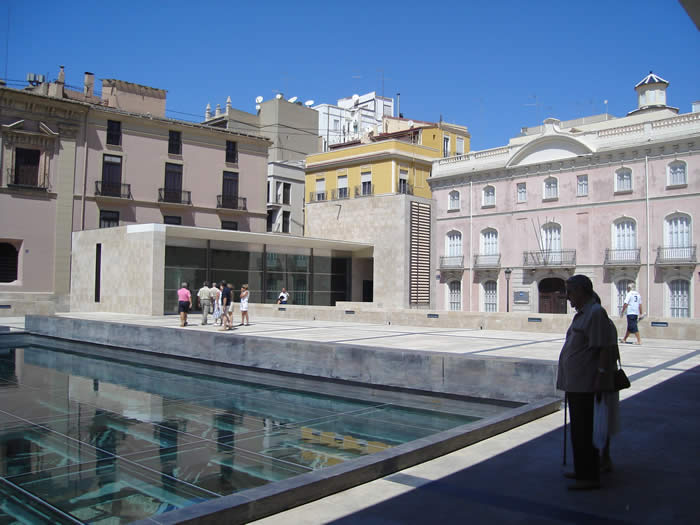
(410, 123)
(293, 99)
(257, 107)
(278, 96)
(309, 103)
(258, 99)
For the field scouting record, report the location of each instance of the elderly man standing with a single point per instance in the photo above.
(204, 300)
(585, 368)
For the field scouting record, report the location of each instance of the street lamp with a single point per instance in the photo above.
(507, 272)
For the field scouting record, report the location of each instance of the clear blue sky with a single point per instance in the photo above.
(480, 64)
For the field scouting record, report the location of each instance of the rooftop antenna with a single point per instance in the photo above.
(258, 100)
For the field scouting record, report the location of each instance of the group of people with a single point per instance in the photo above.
(587, 366)
(217, 300)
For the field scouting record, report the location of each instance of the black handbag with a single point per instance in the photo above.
(621, 381)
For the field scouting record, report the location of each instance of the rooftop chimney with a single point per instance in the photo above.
(217, 111)
(207, 112)
(89, 85)
(61, 76)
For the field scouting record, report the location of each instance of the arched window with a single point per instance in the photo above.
(677, 237)
(454, 200)
(489, 247)
(455, 298)
(625, 234)
(454, 244)
(621, 289)
(679, 298)
(490, 296)
(677, 173)
(623, 179)
(489, 196)
(8, 262)
(551, 188)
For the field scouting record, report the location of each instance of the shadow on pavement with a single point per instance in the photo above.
(656, 477)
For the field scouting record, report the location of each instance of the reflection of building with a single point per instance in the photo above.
(614, 198)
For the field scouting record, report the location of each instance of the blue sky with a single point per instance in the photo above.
(492, 66)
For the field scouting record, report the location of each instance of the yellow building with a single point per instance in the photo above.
(398, 160)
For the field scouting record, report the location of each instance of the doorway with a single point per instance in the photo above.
(552, 296)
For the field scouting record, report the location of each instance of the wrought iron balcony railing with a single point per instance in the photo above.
(231, 202)
(541, 258)
(364, 190)
(340, 193)
(26, 178)
(110, 189)
(676, 255)
(317, 196)
(627, 257)
(174, 196)
(406, 189)
(451, 261)
(487, 261)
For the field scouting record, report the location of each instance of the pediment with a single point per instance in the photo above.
(40, 129)
(549, 149)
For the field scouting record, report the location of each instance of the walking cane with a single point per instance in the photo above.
(565, 403)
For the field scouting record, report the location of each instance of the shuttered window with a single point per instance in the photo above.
(419, 274)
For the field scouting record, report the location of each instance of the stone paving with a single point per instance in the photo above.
(515, 477)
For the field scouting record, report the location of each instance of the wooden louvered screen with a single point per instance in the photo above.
(419, 277)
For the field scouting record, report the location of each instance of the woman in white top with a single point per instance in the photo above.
(244, 305)
(216, 295)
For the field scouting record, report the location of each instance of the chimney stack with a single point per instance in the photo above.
(207, 112)
(89, 86)
(61, 76)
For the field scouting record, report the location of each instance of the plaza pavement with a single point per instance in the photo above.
(515, 477)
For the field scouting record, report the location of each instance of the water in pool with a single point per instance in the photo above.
(90, 439)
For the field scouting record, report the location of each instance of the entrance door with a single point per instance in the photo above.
(552, 296)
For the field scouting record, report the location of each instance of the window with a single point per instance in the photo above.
(403, 180)
(489, 196)
(343, 187)
(286, 193)
(677, 173)
(26, 167)
(551, 188)
(621, 289)
(522, 192)
(489, 242)
(625, 235)
(285, 221)
(230, 225)
(172, 219)
(231, 151)
(581, 185)
(445, 146)
(460, 146)
(336, 124)
(623, 180)
(114, 132)
(679, 291)
(172, 191)
(490, 296)
(454, 244)
(175, 143)
(9, 262)
(270, 219)
(678, 231)
(454, 200)
(111, 175)
(455, 299)
(366, 177)
(320, 189)
(109, 219)
(551, 242)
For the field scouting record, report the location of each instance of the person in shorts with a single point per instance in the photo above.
(244, 305)
(633, 309)
(184, 303)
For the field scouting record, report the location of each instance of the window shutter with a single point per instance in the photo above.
(419, 271)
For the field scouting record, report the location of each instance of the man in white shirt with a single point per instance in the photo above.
(633, 309)
(283, 297)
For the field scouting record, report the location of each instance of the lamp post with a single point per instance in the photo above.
(507, 272)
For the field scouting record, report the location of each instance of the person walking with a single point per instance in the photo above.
(184, 303)
(584, 370)
(204, 301)
(215, 295)
(225, 300)
(633, 309)
(283, 297)
(231, 306)
(244, 305)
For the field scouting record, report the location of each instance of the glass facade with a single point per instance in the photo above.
(312, 276)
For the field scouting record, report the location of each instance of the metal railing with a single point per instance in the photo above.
(549, 258)
(406, 189)
(673, 255)
(174, 196)
(340, 193)
(487, 261)
(630, 256)
(317, 196)
(452, 261)
(26, 178)
(231, 202)
(110, 189)
(364, 191)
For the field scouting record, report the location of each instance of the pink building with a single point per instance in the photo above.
(613, 198)
(71, 160)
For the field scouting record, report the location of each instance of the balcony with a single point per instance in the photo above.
(317, 196)
(169, 196)
(364, 190)
(629, 257)
(405, 189)
(231, 202)
(340, 193)
(452, 262)
(682, 256)
(487, 261)
(26, 178)
(108, 189)
(547, 258)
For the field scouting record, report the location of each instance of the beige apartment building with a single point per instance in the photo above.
(73, 161)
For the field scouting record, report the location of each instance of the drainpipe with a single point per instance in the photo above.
(471, 241)
(85, 168)
(646, 181)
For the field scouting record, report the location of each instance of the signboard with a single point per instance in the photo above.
(521, 297)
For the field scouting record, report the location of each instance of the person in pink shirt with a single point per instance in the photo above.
(184, 303)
